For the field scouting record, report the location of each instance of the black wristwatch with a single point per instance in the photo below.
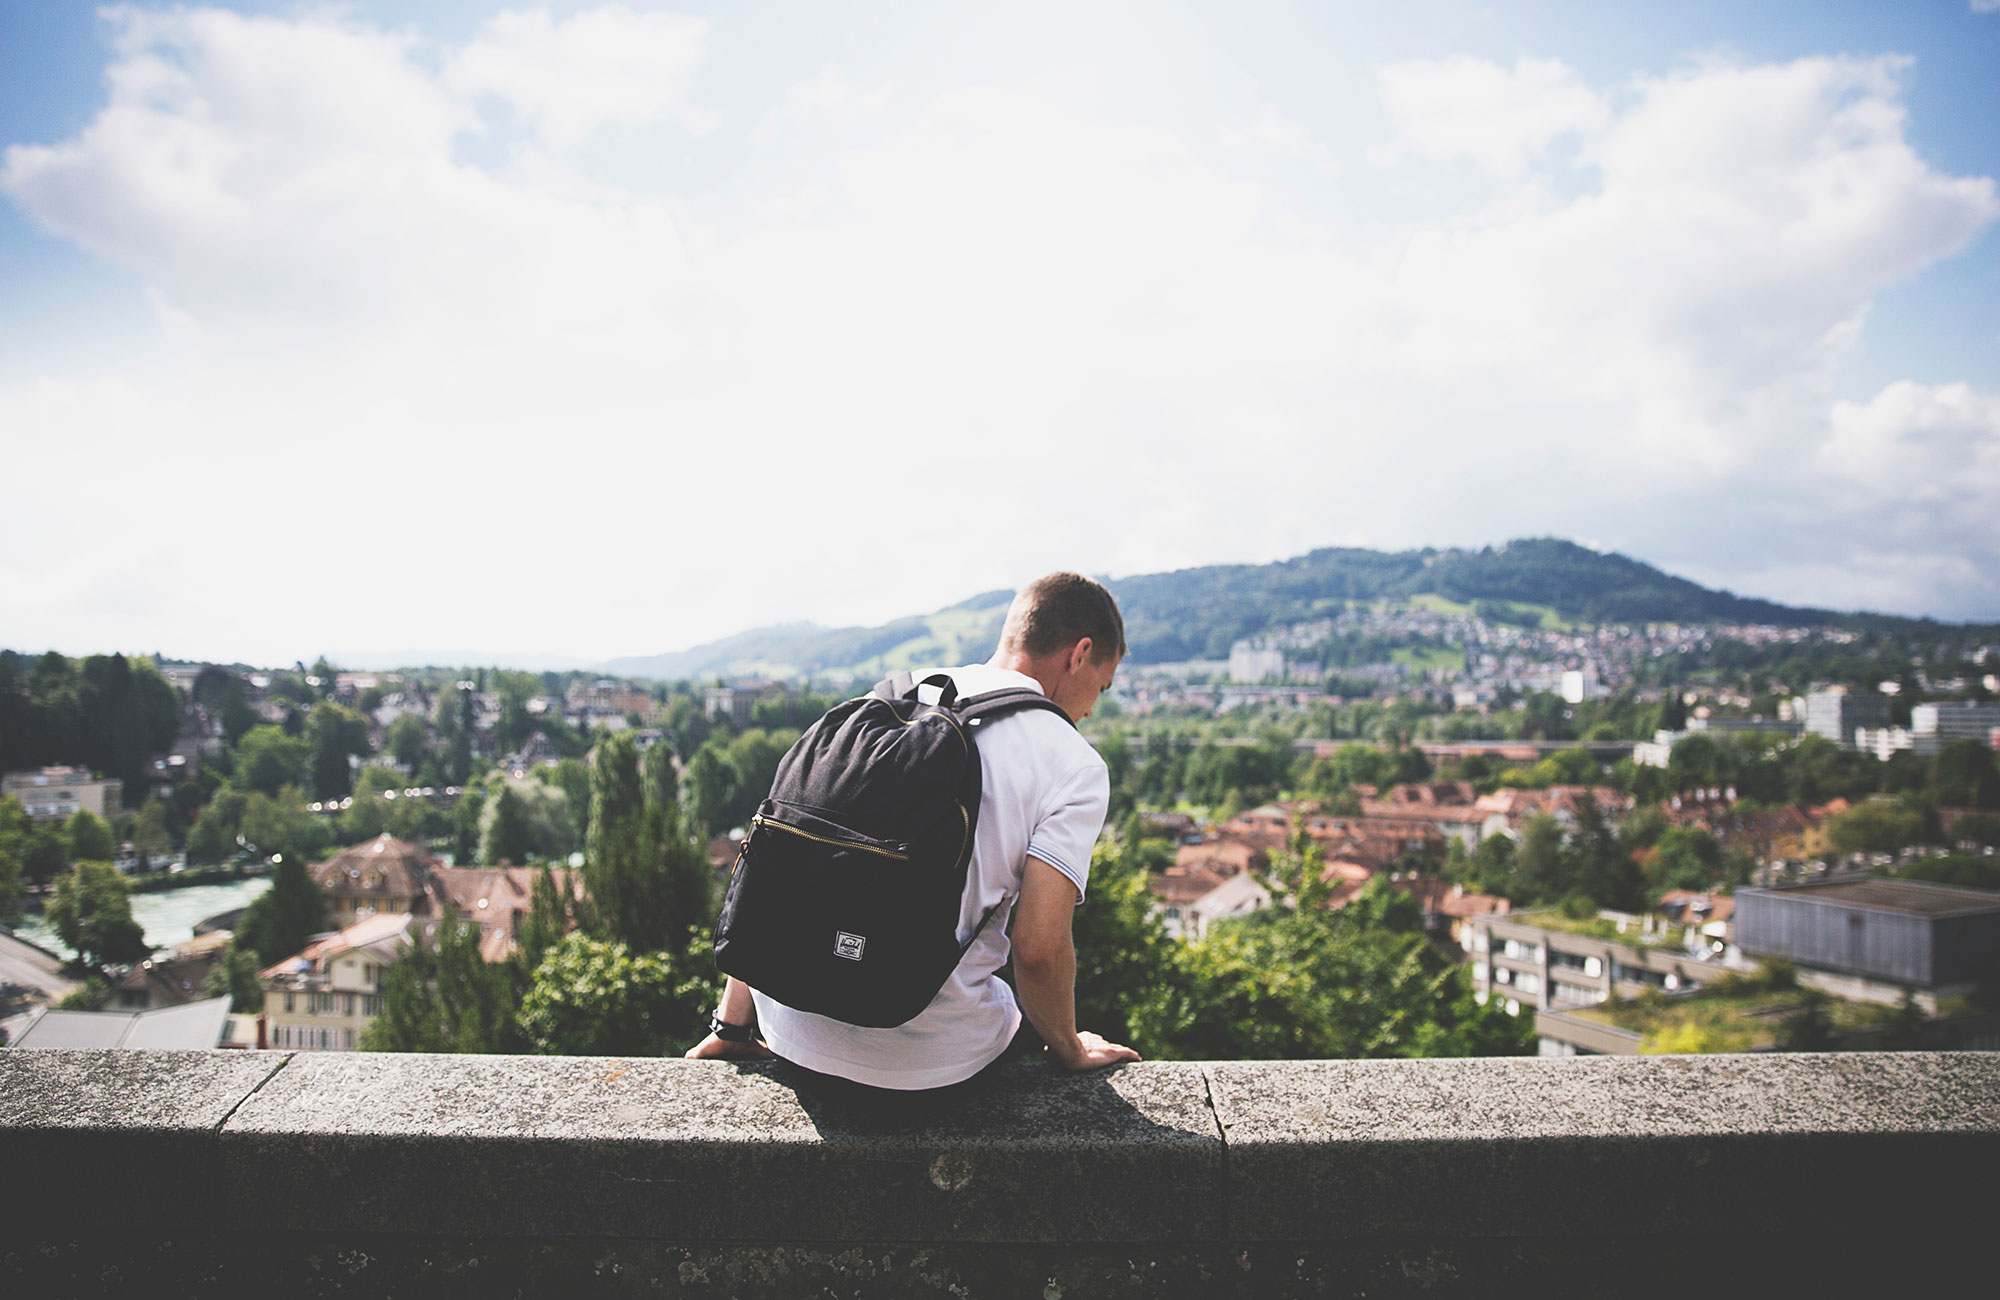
(729, 1033)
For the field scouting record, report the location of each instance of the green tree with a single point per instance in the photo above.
(214, 835)
(1541, 873)
(220, 693)
(1877, 826)
(441, 996)
(551, 910)
(279, 921)
(1603, 868)
(368, 815)
(268, 760)
(663, 781)
(622, 867)
(687, 885)
(46, 853)
(234, 976)
(333, 734)
(1978, 828)
(709, 784)
(1810, 1028)
(408, 740)
(152, 835)
(92, 914)
(89, 837)
(573, 779)
(753, 758)
(1687, 857)
(13, 848)
(1965, 776)
(599, 998)
(1309, 983)
(466, 817)
(505, 837)
(282, 825)
(1123, 958)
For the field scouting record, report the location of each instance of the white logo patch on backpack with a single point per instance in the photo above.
(848, 945)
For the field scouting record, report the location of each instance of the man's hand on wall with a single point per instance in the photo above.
(712, 1048)
(1094, 1052)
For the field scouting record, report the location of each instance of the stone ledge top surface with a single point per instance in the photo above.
(624, 1099)
(105, 1088)
(1514, 1099)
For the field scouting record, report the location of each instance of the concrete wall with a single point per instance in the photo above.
(232, 1173)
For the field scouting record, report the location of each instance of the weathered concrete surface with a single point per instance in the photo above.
(114, 1134)
(710, 1151)
(168, 1174)
(304, 1266)
(1333, 1150)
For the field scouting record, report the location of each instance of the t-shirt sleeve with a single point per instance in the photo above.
(1073, 816)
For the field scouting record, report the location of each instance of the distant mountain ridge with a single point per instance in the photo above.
(1198, 613)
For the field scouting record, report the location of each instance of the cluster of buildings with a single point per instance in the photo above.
(1489, 658)
(59, 793)
(1613, 984)
(1396, 833)
(1858, 720)
(1865, 941)
(381, 895)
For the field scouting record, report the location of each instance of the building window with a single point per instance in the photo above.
(289, 998)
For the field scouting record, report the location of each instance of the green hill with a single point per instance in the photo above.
(1199, 613)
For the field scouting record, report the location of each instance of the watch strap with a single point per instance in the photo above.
(729, 1033)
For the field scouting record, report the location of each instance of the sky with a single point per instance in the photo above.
(589, 331)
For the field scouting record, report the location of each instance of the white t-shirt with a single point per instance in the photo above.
(1043, 790)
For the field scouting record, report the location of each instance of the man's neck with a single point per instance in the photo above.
(1016, 662)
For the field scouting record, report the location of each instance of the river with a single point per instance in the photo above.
(167, 917)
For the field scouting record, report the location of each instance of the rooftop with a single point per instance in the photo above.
(1747, 1018)
(1634, 933)
(190, 1025)
(1910, 897)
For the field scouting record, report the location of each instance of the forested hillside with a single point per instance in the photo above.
(1198, 613)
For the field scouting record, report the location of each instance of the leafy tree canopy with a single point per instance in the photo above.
(92, 913)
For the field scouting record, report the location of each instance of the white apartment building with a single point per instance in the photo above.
(57, 793)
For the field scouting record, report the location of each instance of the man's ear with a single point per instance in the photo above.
(1079, 654)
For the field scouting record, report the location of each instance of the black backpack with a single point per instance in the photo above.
(845, 898)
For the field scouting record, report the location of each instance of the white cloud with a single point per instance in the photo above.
(531, 412)
(605, 67)
(1470, 109)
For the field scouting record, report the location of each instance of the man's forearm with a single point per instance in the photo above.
(1048, 998)
(737, 1007)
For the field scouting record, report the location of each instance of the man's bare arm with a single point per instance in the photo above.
(737, 1009)
(1045, 969)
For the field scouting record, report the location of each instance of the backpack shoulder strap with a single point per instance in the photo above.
(975, 709)
(903, 686)
(895, 686)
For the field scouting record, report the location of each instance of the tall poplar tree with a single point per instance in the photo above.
(622, 867)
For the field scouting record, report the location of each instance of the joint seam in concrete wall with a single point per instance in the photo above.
(244, 1100)
(1222, 1141)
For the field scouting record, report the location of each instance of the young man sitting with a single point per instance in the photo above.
(1043, 796)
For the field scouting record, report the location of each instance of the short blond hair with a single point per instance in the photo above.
(1057, 610)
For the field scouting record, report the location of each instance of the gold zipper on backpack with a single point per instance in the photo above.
(761, 820)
